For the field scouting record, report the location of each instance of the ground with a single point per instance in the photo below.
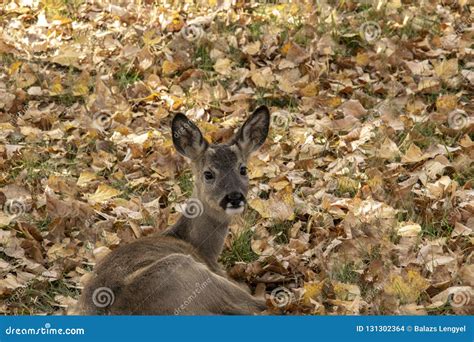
(361, 199)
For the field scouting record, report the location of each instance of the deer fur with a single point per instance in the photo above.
(177, 271)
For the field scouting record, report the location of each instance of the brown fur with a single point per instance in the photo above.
(177, 272)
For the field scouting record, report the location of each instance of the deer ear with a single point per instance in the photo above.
(254, 131)
(187, 138)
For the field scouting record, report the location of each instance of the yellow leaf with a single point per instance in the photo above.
(86, 177)
(311, 291)
(407, 288)
(389, 150)
(309, 90)
(428, 86)
(279, 206)
(81, 86)
(14, 67)
(263, 77)
(345, 291)
(447, 68)
(56, 88)
(103, 193)
(409, 229)
(347, 185)
(334, 101)
(285, 48)
(362, 59)
(223, 66)
(412, 155)
(168, 68)
(252, 48)
(150, 38)
(446, 103)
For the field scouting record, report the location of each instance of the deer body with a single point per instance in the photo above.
(177, 272)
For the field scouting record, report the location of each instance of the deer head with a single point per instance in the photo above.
(220, 171)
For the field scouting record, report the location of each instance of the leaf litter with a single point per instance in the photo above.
(361, 200)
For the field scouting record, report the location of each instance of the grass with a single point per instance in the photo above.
(241, 249)
(432, 227)
(34, 167)
(67, 99)
(437, 229)
(185, 182)
(203, 59)
(127, 192)
(346, 187)
(281, 231)
(237, 56)
(127, 76)
(38, 297)
(346, 273)
(43, 223)
(372, 254)
(464, 176)
(284, 102)
(256, 29)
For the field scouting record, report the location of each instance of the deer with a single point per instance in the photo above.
(176, 271)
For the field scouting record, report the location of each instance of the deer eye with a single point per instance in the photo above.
(243, 170)
(208, 175)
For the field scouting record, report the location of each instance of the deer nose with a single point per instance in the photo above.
(235, 199)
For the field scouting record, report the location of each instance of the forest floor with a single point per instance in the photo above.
(361, 200)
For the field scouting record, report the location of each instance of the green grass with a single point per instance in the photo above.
(372, 254)
(185, 182)
(464, 176)
(255, 29)
(437, 229)
(203, 59)
(43, 223)
(67, 99)
(241, 249)
(127, 192)
(277, 100)
(38, 297)
(281, 231)
(34, 167)
(346, 273)
(127, 76)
